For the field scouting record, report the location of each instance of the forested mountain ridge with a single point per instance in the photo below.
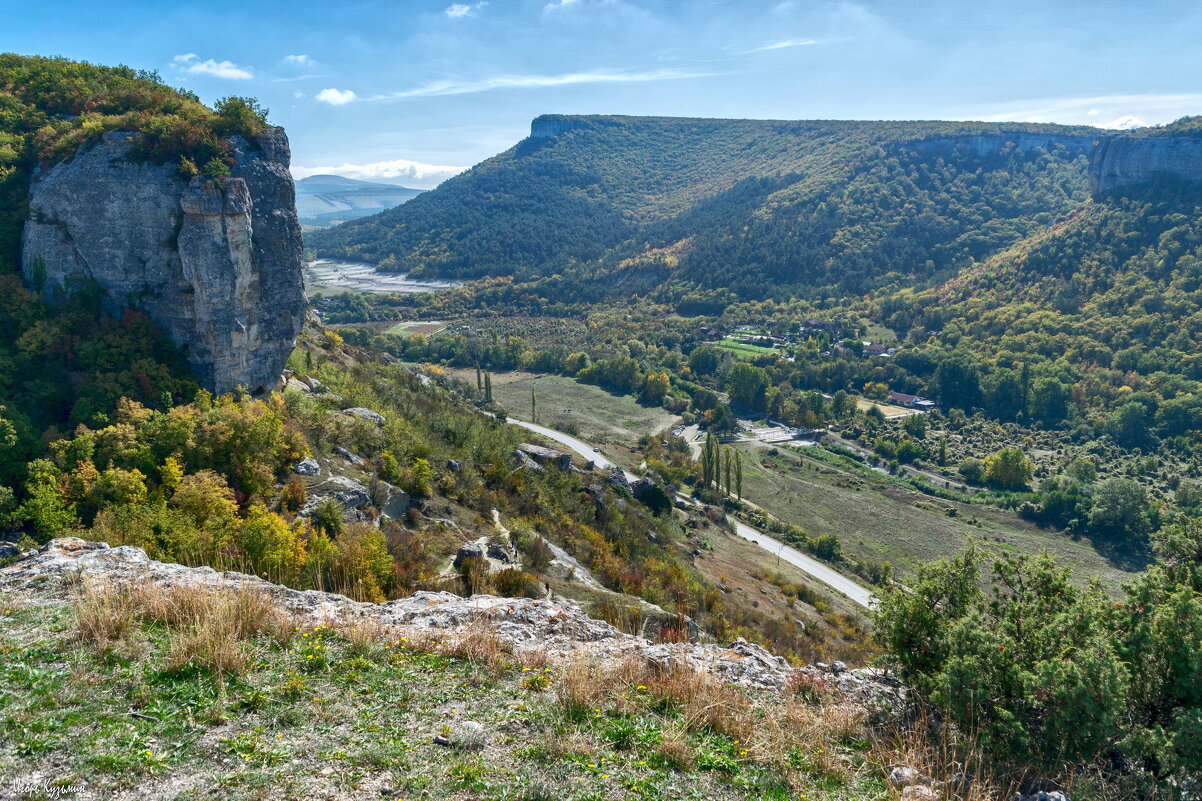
(755, 206)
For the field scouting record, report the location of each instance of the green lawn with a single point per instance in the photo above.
(733, 344)
(429, 329)
(878, 520)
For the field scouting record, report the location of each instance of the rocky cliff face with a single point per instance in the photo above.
(991, 144)
(1119, 161)
(216, 266)
(547, 126)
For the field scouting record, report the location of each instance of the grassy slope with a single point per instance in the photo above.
(565, 404)
(341, 715)
(881, 521)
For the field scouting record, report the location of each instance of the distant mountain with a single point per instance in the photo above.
(323, 200)
(762, 208)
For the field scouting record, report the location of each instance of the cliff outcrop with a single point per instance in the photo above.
(1119, 161)
(989, 144)
(215, 264)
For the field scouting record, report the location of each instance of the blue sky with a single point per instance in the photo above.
(414, 90)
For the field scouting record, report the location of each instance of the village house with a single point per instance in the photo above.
(912, 402)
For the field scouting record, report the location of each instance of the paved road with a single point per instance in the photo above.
(807, 564)
(581, 447)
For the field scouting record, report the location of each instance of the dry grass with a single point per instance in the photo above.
(703, 702)
(936, 749)
(366, 637)
(105, 614)
(209, 627)
(480, 645)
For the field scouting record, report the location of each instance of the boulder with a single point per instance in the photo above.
(617, 478)
(525, 462)
(454, 465)
(468, 550)
(299, 386)
(357, 461)
(348, 492)
(901, 776)
(307, 467)
(498, 551)
(919, 792)
(547, 456)
(8, 550)
(392, 501)
(366, 414)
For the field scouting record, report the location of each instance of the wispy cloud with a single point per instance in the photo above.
(336, 97)
(1160, 107)
(301, 60)
(411, 172)
(458, 10)
(781, 45)
(440, 88)
(192, 64)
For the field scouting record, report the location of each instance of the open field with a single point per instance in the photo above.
(587, 411)
(733, 344)
(878, 520)
(427, 328)
(888, 409)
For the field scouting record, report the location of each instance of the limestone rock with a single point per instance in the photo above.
(366, 414)
(468, 550)
(307, 467)
(546, 456)
(216, 265)
(1119, 161)
(354, 459)
(498, 551)
(558, 630)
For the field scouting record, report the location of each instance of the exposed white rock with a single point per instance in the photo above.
(559, 629)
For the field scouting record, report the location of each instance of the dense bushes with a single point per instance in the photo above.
(1040, 672)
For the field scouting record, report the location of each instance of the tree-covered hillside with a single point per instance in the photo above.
(755, 206)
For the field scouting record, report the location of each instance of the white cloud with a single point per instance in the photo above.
(785, 43)
(336, 97)
(456, 10)
(441, 88)
(298, 94)
(191, 64)
(1159, 108)
(301, 59)
(412, 173)
(1125, 123)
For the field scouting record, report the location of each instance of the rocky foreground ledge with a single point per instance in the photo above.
(558, 629)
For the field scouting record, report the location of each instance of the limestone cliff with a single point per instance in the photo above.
(1119, 161)
(988, 144)
(216, 265)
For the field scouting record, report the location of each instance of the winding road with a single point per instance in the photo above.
(807, 564)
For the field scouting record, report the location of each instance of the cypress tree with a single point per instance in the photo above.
(739, 474)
